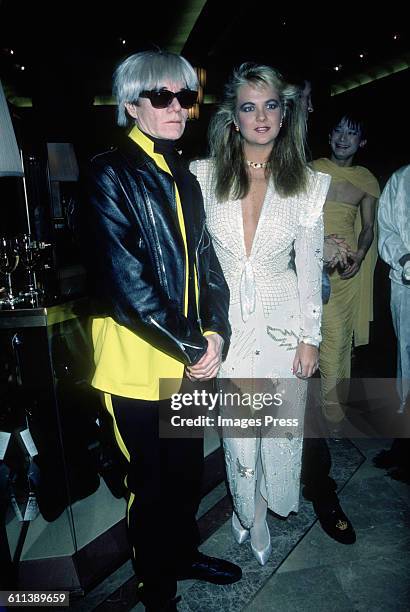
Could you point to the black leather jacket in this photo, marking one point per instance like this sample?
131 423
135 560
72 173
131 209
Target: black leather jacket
134 253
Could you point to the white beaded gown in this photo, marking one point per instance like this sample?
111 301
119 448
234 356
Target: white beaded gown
275 303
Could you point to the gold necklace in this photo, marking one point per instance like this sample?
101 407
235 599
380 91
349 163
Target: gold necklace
256 164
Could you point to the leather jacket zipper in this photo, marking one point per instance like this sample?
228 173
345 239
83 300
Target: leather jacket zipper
181 345
198 277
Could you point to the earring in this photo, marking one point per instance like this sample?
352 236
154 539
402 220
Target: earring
236 126
281 123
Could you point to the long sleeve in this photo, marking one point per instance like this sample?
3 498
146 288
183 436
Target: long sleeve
214 304
120 268
393 218
309 261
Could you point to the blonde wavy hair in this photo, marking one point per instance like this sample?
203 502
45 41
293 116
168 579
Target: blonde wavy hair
287 162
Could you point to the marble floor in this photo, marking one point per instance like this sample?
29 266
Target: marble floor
308 570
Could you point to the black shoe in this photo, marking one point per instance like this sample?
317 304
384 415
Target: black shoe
396 456
401 474
334 522
211 569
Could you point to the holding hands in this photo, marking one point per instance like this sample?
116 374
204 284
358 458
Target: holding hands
335 251
353 266
208 366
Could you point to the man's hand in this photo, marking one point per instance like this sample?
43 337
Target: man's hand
355 261
208 366
335 251
367 213
405 262
306 360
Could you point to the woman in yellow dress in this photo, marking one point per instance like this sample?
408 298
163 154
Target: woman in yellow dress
349 211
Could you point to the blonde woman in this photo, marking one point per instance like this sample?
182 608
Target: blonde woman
264 213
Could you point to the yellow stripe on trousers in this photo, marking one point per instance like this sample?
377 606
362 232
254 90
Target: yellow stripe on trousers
107 401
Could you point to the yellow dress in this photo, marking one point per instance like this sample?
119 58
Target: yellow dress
350 308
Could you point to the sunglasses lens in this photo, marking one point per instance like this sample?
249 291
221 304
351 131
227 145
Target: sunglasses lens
187 98
161 99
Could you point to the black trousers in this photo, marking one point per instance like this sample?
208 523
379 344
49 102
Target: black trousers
164 480
316 465
316 459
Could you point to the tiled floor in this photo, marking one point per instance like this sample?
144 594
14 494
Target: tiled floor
372 574
308 570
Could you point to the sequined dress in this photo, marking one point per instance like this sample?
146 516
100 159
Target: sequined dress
275 303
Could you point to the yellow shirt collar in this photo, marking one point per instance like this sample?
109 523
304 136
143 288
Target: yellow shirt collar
147 145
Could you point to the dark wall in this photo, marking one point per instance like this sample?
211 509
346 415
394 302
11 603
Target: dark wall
385 107
384 104
93 129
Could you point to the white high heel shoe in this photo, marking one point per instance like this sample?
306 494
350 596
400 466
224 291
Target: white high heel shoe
263 555
239 533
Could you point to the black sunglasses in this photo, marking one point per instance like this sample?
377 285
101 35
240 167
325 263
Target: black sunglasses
161 98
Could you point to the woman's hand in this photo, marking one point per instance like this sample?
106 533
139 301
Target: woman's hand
335 251
306 360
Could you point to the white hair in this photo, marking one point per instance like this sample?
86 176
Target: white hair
149 70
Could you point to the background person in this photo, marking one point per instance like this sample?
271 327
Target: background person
319 487
394 249
349 212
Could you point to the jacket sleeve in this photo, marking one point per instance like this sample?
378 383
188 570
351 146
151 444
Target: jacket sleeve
214 308
391 245
121 270
214 303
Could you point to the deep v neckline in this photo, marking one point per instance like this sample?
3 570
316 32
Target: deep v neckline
242 227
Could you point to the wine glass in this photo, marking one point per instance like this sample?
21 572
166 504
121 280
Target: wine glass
9 259
29 252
